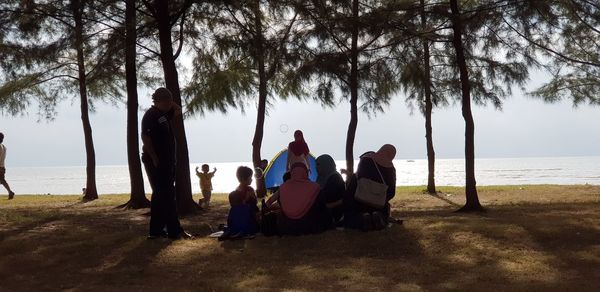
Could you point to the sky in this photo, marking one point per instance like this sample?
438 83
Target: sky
525 127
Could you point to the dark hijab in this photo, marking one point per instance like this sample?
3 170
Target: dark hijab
325 169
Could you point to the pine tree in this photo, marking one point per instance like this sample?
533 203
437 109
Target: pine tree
422 76
489 63
248 58
346 51
474 58
57 49
566 36
163 16
138 197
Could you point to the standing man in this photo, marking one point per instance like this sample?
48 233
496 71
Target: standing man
159 160
11 194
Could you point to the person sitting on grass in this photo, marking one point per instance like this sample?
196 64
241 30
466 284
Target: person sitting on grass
303 209
205 184
242 220
379 167
332 186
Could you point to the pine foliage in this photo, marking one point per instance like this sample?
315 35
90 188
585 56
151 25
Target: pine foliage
39 61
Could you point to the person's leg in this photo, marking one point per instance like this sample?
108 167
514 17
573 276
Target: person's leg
206 194
3 181
352 216
170 205
157 222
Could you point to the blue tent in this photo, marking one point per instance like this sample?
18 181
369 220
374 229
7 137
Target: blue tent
276 169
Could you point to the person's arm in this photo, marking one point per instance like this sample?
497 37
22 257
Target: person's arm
392 185
2 153
197 172
251 197
173 113
334 204
307 162
213 172
273 199
287 162
333 191
148 148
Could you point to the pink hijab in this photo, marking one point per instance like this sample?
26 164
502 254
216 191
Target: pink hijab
298 194
384 156
298 146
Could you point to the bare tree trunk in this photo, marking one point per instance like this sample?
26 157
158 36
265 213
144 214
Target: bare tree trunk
428 109
353 92
262 100
472 203
183 184
138 197
91 192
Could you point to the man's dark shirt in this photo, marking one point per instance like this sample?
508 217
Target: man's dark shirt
156 125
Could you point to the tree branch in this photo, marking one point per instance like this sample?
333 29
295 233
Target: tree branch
180 36
549 49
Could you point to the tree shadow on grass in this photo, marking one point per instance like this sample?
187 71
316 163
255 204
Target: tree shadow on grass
518 247
70 251
525 246
439 196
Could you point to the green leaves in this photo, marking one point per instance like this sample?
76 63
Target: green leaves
214 87
39 63
249 42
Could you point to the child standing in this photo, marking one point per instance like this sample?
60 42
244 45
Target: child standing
298 151
242 221
205 184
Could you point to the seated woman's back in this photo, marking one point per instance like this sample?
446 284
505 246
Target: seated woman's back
302 208
298 194
332 185
369 168
376 166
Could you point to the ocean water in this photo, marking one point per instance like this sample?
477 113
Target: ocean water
114 179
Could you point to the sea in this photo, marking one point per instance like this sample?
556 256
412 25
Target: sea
114 179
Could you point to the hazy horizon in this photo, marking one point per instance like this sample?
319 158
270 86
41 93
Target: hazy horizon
525 128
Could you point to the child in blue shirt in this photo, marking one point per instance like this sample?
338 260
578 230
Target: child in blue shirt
242 220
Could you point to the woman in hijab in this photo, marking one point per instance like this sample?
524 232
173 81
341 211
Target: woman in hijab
378 167
298 151
303 209
332 186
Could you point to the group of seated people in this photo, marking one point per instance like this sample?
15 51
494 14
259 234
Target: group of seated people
300 206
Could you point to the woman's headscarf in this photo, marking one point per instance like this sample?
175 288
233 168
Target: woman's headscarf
298 146
325 169
384 156
298 194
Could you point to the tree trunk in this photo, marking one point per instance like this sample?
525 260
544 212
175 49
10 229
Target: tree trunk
472 203
353 92
183 184
91 192
262 100
138 197
428 108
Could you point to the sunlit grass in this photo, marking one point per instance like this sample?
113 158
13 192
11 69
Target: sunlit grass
533 237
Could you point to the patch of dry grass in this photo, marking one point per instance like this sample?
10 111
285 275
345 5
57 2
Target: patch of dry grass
531 238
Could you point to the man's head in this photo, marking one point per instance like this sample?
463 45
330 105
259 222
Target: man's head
1 137
205 167
163 99
244 175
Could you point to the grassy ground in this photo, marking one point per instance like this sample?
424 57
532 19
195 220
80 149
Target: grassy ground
531 238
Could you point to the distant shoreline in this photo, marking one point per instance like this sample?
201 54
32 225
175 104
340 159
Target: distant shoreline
448 172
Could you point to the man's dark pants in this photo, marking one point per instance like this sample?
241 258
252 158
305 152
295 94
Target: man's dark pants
163 206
